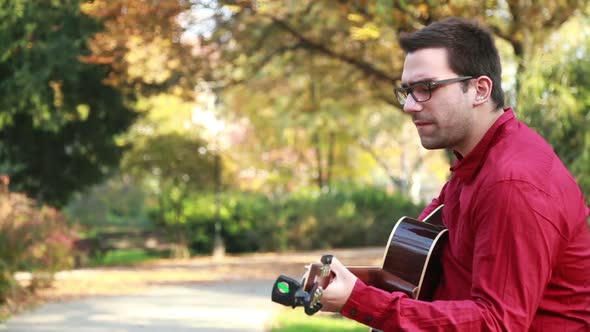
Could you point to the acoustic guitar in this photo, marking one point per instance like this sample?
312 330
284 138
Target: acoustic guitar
411 264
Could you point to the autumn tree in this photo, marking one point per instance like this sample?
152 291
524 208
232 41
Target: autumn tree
319 68
142 42
58 119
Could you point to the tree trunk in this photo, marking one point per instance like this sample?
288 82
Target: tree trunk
319 163
329 167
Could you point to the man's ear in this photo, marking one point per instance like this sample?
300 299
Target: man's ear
483 90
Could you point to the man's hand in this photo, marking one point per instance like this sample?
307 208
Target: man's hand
338 291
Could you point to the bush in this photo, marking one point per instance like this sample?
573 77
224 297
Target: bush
35 239
349 217
346 217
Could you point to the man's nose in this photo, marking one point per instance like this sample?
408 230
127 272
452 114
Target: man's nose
412 105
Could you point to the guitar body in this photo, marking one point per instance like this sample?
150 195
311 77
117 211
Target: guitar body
413 254
411 262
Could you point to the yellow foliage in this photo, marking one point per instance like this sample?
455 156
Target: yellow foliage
83 110
233 8
347 210
423 9
367 32
356 18
58 96
148 60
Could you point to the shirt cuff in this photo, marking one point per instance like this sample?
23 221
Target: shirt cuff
367 304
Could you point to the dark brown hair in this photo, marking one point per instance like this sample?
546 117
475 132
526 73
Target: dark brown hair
471 49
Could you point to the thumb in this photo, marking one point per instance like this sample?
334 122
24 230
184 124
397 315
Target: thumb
336 266
340 271
338 291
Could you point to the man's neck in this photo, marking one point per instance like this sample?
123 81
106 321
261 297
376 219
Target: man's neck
480 127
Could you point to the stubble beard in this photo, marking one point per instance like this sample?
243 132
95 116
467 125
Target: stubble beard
432 143
438 139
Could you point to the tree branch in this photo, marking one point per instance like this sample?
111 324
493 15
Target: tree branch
309 44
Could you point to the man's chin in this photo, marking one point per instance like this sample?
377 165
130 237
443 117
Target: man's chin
430 144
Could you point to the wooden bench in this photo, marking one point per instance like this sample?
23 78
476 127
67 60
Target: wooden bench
104 242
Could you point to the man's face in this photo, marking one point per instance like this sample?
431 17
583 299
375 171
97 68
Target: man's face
445 120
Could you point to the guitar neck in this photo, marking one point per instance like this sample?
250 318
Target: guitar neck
377 277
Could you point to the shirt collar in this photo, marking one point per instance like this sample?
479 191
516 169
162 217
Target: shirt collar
466 167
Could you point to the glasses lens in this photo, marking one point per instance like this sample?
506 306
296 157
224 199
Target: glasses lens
420 92
401 94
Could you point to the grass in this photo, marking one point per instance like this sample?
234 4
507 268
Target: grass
297 321
124 257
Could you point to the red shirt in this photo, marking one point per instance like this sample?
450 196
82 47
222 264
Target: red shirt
518 256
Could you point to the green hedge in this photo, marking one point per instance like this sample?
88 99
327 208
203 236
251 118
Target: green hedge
348 217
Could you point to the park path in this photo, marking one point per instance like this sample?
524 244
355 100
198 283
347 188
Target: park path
194 295
217 307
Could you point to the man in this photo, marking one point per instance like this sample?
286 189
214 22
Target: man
518 255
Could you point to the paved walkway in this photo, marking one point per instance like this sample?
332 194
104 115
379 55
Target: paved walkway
181 295
230 306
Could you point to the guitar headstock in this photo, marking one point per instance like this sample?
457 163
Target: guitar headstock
308 292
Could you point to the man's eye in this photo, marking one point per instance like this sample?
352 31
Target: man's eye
419 88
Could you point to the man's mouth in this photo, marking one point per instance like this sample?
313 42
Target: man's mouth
422 123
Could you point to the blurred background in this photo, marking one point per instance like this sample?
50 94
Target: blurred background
138 129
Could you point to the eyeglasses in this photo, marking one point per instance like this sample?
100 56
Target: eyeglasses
422 91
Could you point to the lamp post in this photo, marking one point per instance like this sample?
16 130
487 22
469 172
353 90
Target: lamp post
204 115
218 243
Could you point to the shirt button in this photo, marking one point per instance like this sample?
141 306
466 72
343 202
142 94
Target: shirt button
352 312
368 319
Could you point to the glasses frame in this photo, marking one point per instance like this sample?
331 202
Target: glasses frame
409 90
